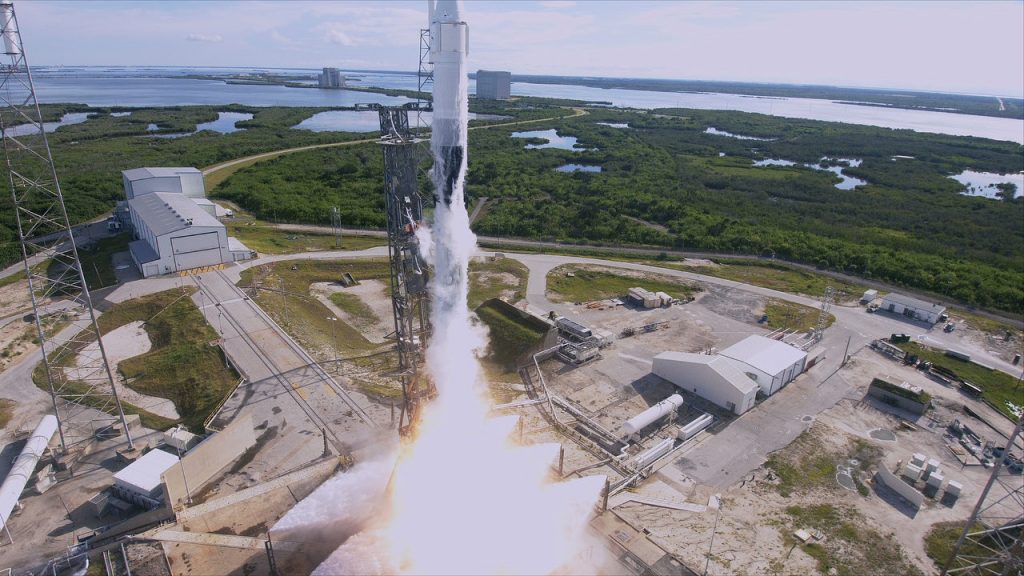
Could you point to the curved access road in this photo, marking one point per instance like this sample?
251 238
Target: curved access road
225 169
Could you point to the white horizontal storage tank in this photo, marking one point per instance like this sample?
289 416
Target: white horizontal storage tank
24 465
691 429
652 414
651 456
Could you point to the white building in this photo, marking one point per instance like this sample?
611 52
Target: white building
493 85
769 363
175 234
912 308
175 224
140 483
141 181
709 376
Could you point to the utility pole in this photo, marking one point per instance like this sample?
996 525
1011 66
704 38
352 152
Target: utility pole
79 377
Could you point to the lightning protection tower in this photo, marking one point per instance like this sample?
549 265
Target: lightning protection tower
76 368
992 542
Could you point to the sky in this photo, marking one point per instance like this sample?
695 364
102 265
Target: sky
969 47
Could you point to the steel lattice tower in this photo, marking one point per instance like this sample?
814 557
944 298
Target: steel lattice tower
992 542
826 305
76 366
408 271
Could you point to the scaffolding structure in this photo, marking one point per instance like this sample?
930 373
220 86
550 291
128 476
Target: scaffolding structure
992 542
76 368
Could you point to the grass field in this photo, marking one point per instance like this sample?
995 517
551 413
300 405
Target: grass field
288 302
850 547
354 306
782 314
487 279
182 365
266 239
6 411
96 260
586 284
997 387
774 275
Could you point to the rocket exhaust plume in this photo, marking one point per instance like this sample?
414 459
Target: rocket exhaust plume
462 498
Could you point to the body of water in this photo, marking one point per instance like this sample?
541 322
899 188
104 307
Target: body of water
65 120
620 125
225 124
846 182
145 91
140 87
984 183
553 140
365 120
577 168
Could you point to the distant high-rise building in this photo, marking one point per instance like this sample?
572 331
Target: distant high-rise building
493 85
331 78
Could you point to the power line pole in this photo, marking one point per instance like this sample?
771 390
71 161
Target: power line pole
79 377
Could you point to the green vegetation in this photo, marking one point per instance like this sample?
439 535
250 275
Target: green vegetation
269 240
997 387
663 184
585 284
775 275
941 539
798 475
782 314
284 295
354 307
511 335
985 324
16 277
849 548
493 277
181 366
6 412
909 226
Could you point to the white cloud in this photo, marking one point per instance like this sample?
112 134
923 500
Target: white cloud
204 38
340 38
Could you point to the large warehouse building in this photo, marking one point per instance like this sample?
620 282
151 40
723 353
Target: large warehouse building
174 223
770 363
493 85
912 308
709 376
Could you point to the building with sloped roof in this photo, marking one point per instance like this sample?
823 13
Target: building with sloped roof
769 363
181 180
709 376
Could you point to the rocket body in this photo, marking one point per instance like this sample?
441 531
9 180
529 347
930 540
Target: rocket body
449 46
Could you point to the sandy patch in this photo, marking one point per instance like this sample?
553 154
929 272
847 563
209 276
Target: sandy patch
121 344
370 292
15 299
488 278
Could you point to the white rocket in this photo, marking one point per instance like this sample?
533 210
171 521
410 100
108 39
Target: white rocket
449 45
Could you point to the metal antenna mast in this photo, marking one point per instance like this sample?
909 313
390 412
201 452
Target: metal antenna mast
992 542
76 367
